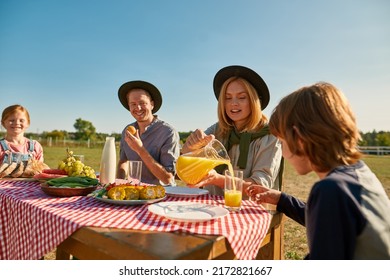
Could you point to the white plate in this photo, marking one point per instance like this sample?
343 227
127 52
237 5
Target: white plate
130 202
184 211
184 191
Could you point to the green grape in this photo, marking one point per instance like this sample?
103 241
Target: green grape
61 165
78 166
75 167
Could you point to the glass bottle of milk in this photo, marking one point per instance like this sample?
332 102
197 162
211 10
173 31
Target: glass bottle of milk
108 162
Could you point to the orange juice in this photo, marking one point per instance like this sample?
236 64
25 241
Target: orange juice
233 189
191 170
233 198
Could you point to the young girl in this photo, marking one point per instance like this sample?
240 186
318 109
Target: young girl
15 149
243 129
347 211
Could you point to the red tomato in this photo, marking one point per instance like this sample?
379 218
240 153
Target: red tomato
54 171
47 176
110 186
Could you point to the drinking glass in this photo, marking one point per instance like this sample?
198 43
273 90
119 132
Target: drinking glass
233 189
135 171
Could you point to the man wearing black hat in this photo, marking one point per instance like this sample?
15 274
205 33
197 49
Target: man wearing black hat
155 142
243 129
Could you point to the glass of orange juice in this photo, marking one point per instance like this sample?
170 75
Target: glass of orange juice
233 189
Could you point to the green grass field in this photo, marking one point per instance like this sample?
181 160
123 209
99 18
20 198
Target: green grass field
295 243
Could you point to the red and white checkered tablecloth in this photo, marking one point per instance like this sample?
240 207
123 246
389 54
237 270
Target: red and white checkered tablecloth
33 223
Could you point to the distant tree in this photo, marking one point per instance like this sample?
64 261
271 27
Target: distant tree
183 136
383 138
84 130
56 134
374 138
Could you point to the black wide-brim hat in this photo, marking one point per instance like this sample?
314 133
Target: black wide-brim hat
151 89
248 74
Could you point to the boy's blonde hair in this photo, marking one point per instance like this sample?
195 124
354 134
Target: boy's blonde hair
257 119
11 110
317 121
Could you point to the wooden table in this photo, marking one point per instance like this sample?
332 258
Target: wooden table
93 243
272 247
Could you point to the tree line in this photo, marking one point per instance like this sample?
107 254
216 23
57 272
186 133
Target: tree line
375 138
86 131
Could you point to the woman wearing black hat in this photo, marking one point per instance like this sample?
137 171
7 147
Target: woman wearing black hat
155 142
242 128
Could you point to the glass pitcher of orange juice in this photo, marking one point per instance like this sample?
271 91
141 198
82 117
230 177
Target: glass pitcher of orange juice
192 167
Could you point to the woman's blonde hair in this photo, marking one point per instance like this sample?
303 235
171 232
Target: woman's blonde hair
320 118
11 110
256 120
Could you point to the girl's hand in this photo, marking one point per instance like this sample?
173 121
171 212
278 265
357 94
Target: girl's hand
261 194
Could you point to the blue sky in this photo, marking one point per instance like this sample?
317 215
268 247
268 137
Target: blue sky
66 59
